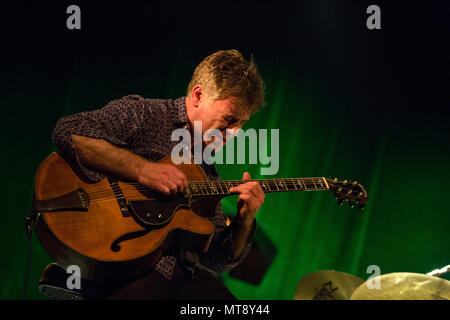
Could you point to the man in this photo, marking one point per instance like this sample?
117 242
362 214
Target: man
128 136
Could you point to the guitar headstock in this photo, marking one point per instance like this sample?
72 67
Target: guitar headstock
350 191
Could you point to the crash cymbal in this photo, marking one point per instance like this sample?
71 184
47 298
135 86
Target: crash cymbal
403 286
327 285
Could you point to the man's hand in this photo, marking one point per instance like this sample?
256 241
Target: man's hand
103 156
251 197
165 178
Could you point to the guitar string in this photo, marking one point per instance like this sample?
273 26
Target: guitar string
223 183
131 197
275 180
214 188
218 186
110 194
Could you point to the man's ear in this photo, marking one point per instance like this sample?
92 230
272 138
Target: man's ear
196 95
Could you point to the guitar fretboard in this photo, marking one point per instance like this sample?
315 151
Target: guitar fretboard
222 187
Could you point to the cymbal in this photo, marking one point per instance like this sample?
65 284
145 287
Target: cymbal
404 286
327 285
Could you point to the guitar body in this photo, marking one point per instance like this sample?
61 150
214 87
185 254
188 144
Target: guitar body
84 224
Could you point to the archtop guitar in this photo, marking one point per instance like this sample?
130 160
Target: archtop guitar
116 229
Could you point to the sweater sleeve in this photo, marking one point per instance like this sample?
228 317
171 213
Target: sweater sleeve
115 123
219 256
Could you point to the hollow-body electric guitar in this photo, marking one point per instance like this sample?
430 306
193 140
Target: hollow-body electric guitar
116 229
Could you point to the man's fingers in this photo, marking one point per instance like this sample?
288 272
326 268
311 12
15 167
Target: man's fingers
179 179
179 183
172 186
185 181
260 190
244 197
251 202
237 189
251 187
256 190
181 176
240 188
165 178
164 189
180 188
246 176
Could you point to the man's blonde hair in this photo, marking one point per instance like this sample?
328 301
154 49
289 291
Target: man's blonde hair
225 74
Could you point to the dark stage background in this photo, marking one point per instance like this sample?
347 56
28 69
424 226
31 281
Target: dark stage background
352 103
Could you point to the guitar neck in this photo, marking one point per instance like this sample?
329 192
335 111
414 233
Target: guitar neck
222 187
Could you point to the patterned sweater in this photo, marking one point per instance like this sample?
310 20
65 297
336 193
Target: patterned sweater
144 126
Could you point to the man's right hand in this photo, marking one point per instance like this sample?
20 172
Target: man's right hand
165 178
104 157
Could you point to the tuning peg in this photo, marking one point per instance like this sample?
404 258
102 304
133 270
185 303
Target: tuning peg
355 183
340 202
361 206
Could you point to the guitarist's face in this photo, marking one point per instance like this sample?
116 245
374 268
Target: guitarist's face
222 115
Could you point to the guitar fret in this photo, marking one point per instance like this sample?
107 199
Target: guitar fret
219 185
309 184
213 188
320 182
276 185
193 187
304 185
286 183
294 186
201 189
264 185
222 187
210 188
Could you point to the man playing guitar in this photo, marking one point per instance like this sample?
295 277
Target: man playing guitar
127 138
